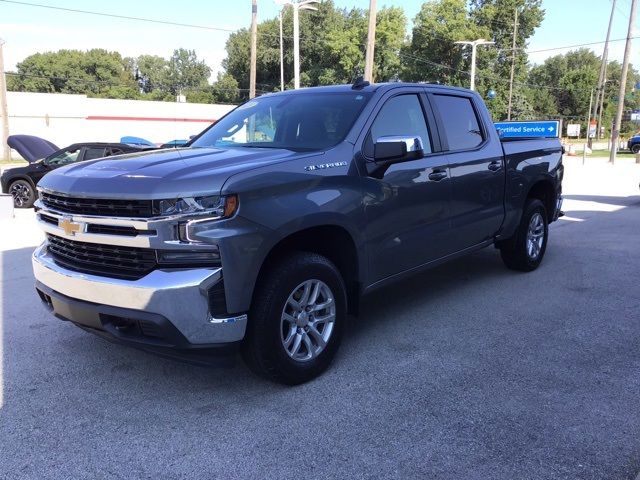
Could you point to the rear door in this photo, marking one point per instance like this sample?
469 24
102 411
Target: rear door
407 209
476 169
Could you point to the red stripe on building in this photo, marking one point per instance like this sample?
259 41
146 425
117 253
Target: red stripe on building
151 119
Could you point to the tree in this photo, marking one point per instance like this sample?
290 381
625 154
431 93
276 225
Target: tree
186 72
391 26
494 64
225 89
432 54
152 73
332 47
96 72
561 86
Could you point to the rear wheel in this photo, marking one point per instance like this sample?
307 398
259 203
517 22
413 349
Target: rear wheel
636 148
296 319
24 195
524 252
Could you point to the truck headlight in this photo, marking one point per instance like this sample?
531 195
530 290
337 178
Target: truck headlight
199 213
215 206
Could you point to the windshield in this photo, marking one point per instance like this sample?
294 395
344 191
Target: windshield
305 121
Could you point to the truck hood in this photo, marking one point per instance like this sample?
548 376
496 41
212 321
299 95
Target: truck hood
158 174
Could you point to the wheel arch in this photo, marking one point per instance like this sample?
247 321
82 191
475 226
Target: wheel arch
12 180
544 190
332 241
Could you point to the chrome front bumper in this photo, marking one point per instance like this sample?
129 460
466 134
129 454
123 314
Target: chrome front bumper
180 296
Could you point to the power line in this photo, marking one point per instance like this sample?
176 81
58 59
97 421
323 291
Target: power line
123 17
211 28
578 45
484 75
128 17
227 30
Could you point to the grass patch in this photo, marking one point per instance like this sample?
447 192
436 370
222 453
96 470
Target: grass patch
7 161
605 153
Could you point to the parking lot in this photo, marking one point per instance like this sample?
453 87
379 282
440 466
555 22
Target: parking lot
467 371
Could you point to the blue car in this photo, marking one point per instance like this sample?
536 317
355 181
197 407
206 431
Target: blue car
634 143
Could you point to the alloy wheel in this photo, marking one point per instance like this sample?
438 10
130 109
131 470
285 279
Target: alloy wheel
535 236
21 194
307 320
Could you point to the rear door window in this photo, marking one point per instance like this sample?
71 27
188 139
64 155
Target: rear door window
91 153
113 151
461 124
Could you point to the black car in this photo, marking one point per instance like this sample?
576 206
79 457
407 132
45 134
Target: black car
43 156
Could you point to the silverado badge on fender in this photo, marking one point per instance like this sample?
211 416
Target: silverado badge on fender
322 166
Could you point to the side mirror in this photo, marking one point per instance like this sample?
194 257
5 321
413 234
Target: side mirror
399 148
394 149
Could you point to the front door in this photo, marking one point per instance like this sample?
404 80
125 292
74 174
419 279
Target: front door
407 210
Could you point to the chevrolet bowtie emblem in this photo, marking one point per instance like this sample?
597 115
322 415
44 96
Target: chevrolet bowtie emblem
69 226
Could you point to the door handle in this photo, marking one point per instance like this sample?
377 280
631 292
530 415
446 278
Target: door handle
495 165
436 175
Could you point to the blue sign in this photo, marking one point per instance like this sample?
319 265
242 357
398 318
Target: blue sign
548 129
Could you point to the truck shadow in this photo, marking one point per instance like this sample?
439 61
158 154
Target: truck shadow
53 357
609 200
400 298
46 352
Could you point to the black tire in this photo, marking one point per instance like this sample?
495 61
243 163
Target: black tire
263 348
515 251
635 148
24 195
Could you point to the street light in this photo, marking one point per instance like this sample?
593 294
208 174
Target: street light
296 6
474 44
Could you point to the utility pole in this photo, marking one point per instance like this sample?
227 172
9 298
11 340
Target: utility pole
513 62
601 78
371 41
254 47
281 54
4 113
297 6
601 107
623 84
584 151
474 45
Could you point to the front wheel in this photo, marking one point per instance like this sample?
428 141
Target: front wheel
636 148
23 193
524 252
296 319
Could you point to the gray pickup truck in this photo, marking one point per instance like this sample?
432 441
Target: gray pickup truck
265 232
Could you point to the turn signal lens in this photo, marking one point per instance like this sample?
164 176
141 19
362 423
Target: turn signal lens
230 205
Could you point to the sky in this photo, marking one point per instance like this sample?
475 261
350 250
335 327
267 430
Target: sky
27 29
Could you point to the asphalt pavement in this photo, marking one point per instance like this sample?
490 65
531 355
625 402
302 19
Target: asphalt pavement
468 371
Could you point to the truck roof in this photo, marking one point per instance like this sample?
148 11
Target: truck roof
365 88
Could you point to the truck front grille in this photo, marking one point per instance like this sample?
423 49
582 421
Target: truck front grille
107 260
100 207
